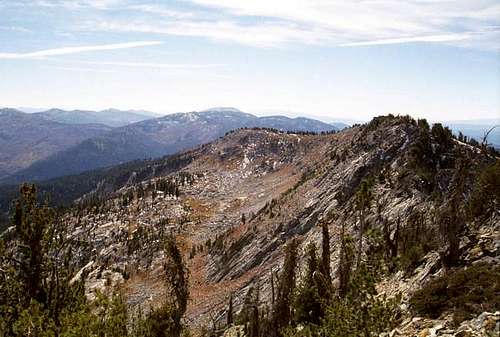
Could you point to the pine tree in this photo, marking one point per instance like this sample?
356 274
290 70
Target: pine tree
250 312
35 270
363 200
230 311
177 276
308 306
460 136
32 225
282 309
165 321
273 296
485 198
254 327
324 278
452 217
344 263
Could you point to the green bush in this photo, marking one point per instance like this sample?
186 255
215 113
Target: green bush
485 197
361 313
465 293
415 240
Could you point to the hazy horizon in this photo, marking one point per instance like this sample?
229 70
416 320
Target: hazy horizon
263 113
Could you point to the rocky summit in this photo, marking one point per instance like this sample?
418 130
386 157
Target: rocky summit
391 228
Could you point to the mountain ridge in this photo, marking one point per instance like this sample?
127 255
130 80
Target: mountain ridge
155 138
109 117
27 138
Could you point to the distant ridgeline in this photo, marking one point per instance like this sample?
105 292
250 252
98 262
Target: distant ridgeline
478 130
68 146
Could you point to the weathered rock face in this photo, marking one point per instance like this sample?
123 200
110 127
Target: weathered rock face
485 324
252 190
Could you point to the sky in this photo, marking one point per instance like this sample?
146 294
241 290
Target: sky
344 59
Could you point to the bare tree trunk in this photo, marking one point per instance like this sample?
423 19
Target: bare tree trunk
360 236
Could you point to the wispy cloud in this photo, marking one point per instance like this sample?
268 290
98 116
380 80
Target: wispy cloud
347 22
162 11
18 29
75 50
430 38
276 23
72 4
149 65
82 70
261 35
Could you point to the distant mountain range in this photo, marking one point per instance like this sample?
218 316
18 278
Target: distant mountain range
109 117
26 139
144 139
477 129
48 144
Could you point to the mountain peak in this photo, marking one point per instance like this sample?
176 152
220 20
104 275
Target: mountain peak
222 109
10 112
111 110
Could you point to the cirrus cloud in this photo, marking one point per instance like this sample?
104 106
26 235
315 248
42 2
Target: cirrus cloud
264 23
351 23
79 49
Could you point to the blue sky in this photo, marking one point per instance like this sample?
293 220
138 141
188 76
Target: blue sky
349 59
